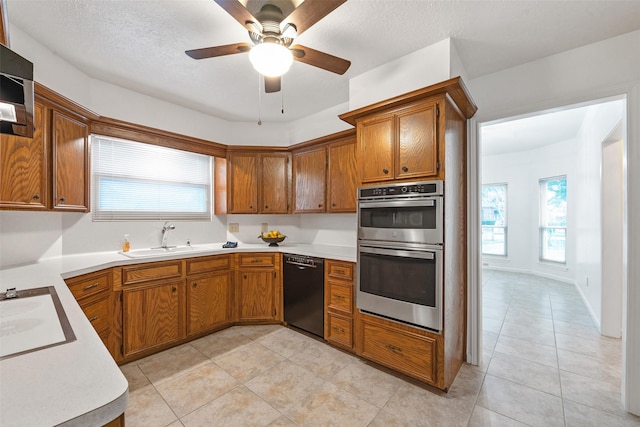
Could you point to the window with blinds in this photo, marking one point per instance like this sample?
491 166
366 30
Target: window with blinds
137 181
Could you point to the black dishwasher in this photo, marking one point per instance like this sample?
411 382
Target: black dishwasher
304 293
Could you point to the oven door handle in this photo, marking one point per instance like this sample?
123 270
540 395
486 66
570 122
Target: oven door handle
423 254
364 204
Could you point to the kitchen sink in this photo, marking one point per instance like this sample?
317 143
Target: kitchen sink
141 253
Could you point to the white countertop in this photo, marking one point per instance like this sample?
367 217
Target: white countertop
79 383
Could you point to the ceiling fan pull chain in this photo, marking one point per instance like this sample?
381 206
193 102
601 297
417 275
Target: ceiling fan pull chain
282 94
259 101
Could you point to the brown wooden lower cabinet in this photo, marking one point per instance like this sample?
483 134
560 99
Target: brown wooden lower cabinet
153 315
406 351
339 303
93 293
208 301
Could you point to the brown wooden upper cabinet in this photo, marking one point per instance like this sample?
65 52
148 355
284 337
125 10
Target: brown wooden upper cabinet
405 138
324 172
71 163
50 170
258 182
23 168
402 144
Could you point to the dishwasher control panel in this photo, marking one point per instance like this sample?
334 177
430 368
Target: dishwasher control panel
302 260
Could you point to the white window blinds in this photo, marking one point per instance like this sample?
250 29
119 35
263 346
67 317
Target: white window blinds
138 181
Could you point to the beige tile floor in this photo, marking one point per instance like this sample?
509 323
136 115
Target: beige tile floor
544 365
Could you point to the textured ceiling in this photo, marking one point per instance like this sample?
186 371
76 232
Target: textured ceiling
140 45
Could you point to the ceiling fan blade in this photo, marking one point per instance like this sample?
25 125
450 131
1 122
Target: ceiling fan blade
320 59
240 14
309 12
210 52
272 84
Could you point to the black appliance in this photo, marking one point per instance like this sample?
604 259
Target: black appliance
304 292
16 94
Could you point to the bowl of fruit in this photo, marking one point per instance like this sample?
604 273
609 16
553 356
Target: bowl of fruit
272 237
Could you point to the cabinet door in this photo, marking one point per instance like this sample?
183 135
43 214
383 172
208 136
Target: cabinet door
23 168
256 295
417 142
376 149
152 316
342 177
275 183
309 170
208 303
243 180
70 163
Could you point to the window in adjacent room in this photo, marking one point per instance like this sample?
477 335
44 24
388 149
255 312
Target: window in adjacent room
553 219
494 219
137 181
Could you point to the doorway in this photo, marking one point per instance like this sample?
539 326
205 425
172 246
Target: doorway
590 153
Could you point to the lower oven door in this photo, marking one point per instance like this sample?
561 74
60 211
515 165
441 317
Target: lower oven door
401 282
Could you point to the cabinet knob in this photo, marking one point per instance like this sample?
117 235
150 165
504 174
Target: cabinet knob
385 170
173 289
320 205
63 199
266 206
405 169
333 204
244 277
194 284
36 197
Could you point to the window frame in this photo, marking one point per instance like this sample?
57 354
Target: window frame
205 187
504 227
543 227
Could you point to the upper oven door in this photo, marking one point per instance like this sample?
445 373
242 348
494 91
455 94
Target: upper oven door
406 220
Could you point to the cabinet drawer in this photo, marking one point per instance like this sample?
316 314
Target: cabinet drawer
152 271
403 351
98 314
88 285
257 260
339 330
340 297
205 264
340 270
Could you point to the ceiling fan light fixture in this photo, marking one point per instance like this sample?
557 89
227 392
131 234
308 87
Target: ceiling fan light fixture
271 59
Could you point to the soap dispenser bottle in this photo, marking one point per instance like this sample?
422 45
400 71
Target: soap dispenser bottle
125 244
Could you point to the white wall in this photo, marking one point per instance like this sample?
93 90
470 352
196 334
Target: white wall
599 123
424 67
521 171
600 70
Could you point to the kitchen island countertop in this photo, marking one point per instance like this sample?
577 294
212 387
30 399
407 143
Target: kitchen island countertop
79 383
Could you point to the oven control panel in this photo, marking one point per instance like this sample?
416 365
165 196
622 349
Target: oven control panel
410 189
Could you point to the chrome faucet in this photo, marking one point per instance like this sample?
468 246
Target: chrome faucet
165 234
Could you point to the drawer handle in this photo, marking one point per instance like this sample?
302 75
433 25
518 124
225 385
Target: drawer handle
393 348
337 329
340 297
93 318
91 286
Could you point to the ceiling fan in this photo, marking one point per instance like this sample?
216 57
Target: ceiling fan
271 29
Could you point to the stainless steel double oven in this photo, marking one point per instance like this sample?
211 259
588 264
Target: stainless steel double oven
400 244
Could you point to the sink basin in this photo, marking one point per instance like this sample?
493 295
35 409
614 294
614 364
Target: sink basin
140 253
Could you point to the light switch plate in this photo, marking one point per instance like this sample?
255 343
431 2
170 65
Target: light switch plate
234 227
264 227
